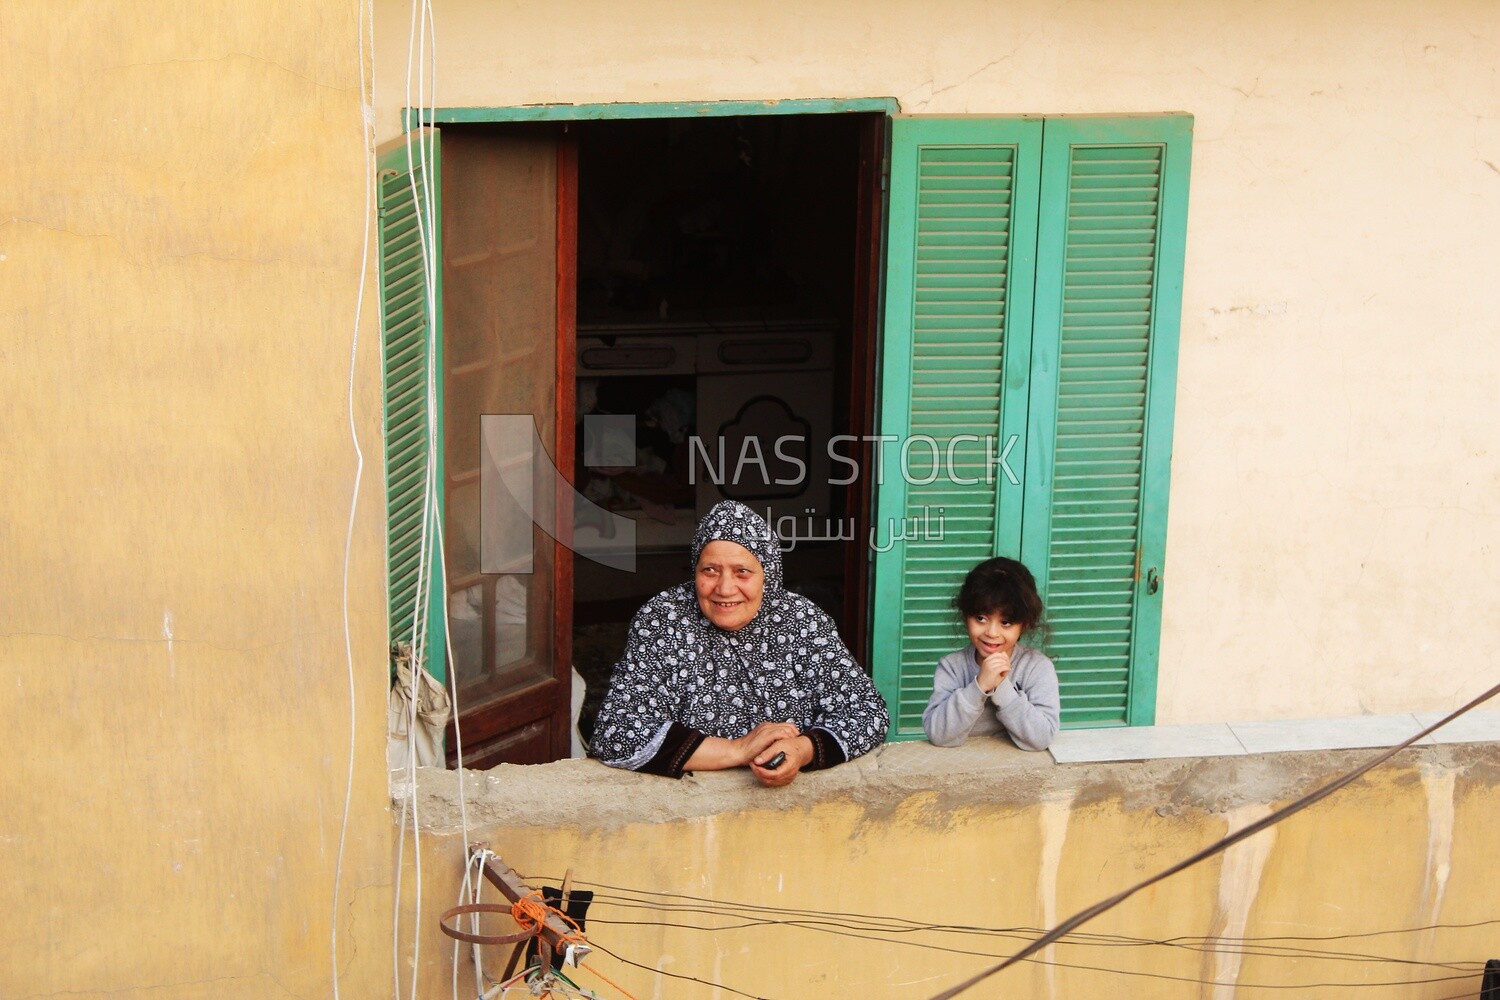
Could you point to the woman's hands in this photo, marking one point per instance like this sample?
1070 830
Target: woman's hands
992 670
753 750
757 743
799 753
718 754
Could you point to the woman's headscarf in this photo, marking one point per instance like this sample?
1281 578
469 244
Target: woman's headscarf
732 521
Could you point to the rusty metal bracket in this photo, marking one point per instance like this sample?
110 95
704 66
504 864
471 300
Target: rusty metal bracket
471 908
555 932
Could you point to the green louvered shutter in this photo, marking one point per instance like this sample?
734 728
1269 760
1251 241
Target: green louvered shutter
1108 301
411 340
954 358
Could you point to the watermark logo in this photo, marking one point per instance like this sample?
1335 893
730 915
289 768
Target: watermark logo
923 459
521 489
926 525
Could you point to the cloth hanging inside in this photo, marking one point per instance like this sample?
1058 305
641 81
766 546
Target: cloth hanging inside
424 741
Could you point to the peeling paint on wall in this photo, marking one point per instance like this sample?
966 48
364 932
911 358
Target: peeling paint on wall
1438 784
1239 884
1053 815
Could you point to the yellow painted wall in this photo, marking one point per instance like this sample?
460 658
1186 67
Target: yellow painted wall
181 214
1017 848
1335 481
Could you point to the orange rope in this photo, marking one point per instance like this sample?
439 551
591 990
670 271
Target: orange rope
531 910
608 980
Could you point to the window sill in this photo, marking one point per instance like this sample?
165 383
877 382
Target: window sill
1240 739
986 771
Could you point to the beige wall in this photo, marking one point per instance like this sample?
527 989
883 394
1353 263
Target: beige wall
180 223
1335 487
179 255
988 836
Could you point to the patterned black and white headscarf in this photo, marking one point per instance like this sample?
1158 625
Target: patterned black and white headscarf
731 521
682 678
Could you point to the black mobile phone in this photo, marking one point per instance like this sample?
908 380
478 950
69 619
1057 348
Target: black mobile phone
775 761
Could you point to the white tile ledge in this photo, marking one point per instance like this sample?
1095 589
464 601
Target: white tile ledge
1236 739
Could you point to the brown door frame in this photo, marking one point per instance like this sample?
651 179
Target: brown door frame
869 272
566 396
547 702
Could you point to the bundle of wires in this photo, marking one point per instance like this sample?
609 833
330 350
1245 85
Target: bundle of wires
616 905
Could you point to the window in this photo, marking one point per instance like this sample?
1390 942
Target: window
733 241
1029 363
1033 285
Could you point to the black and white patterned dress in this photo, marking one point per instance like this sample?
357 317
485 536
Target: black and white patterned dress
682 678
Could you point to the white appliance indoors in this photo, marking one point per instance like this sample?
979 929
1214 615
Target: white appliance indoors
765 413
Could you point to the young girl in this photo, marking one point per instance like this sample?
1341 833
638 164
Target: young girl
995 683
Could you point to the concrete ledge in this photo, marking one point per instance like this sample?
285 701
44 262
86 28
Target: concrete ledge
1237 739
990 773
705 877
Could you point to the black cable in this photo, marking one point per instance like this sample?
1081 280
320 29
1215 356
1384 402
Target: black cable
1251 952
1358 934
1317 795
1256 947
675 975
1251 986
735 908
811 922
1209 947
1075 965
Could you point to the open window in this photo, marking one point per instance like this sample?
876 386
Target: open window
711 280
725 305
717 281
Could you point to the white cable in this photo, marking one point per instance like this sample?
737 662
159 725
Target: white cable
396 929
366 27
421 50
466 897
428 236
408 801
470 893
441 543
463 813
426 232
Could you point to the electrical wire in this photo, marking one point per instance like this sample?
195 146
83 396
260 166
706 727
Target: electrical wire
532 980
675 975
1368 934
470 892
365 29
927 946
421 68
1109 970
888 937
756 914
422 200
1317 795
595 972
427 55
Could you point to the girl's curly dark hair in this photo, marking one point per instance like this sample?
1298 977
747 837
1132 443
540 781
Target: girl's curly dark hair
1005 586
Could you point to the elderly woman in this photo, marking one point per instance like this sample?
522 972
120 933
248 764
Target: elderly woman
734 671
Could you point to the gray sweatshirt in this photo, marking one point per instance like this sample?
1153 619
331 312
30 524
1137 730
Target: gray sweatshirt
1025 704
